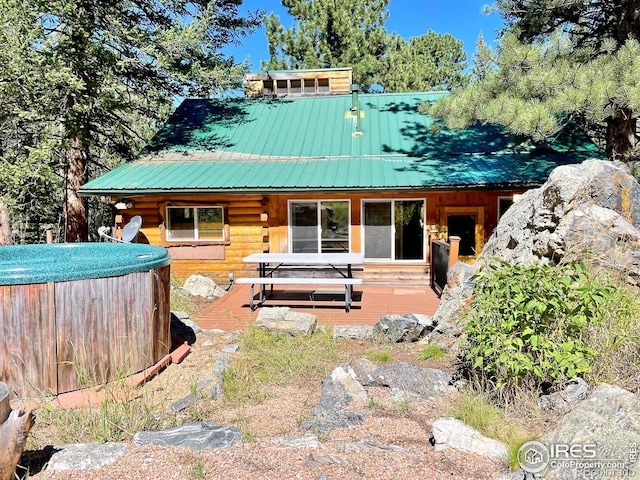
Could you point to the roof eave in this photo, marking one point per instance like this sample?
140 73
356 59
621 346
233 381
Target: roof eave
280 190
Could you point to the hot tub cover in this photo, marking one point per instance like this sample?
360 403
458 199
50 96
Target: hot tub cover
63 262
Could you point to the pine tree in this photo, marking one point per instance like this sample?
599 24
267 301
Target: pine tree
559 63
428 62
483 61
328 34
89 75
340 33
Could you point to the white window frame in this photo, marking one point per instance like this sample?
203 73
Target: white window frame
196 233
319 220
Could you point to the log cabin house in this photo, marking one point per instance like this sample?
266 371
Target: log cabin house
303 164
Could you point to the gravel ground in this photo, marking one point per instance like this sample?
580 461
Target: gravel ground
261 456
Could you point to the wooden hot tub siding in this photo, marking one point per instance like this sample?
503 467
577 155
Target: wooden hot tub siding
62 336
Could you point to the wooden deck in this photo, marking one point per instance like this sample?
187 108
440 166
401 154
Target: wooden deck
370 302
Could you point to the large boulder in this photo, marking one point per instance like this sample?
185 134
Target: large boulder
339 390
199 285
593 207
409 382
284 320
454 300
402 328
604 429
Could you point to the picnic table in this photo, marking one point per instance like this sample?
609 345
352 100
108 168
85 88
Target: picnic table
339 265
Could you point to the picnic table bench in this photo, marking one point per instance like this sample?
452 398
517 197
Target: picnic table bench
336 261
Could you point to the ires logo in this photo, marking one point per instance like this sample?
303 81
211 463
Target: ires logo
534 457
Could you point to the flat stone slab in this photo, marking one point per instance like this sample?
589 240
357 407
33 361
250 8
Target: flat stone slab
86 456
197 436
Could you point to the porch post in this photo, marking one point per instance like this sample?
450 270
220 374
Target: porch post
454 250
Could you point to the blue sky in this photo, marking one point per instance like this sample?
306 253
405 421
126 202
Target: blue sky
409 18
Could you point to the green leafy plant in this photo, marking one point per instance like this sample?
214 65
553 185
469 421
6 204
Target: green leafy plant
526 323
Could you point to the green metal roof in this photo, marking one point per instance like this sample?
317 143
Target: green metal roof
309 144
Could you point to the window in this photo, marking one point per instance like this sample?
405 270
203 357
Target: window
503 204
296 87
195 223
267 88
319 226
283 87
309 86
323 85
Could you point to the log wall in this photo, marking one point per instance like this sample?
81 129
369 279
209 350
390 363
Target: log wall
259 223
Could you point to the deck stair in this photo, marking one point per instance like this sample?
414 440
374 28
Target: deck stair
395 274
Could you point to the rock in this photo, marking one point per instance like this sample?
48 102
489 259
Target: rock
364 370
197 436
306 441
231 348
399 328
562 402
410 382
315 460
592 207
282 319
220 363
199 285
86 456
187 401
455 298
339 389
609 421
353 332
453 433
350 446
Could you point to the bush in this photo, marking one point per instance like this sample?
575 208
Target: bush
526 323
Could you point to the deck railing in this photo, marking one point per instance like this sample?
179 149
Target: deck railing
442 256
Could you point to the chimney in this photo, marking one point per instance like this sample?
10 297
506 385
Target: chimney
355 109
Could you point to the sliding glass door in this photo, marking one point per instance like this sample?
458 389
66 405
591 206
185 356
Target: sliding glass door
319 226
393 229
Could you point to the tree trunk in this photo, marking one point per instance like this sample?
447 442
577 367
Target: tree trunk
14 430
5 225
621 135
77 229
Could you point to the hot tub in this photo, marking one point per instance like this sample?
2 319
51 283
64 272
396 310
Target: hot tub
75 315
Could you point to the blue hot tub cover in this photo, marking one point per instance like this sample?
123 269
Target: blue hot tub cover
63 262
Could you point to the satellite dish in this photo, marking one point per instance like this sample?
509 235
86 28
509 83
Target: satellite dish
103 232
131 229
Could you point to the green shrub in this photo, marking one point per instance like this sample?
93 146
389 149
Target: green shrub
526 323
